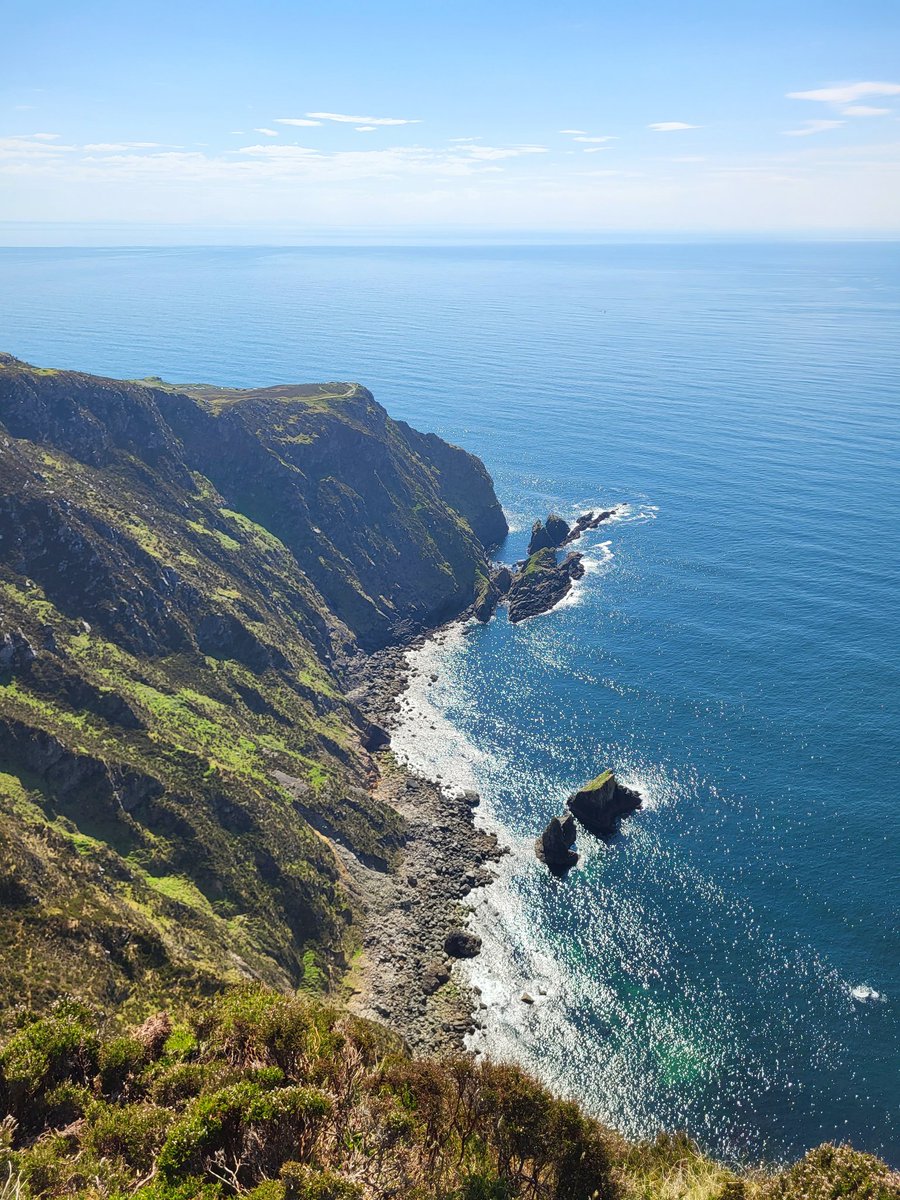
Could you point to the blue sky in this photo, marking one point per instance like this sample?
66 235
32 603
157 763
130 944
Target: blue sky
284 119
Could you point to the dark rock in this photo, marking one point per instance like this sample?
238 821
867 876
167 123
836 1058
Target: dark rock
486 599
542 583
374 738
16 652
459 943
600 804
502 580
587 521
554 846
551 535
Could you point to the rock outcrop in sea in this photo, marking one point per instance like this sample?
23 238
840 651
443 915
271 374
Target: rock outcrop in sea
541 583
554 847
600 804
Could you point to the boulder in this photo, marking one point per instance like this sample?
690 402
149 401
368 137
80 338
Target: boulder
554 847
459 943
601 803
373 738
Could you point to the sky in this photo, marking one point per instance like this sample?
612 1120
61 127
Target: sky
281 121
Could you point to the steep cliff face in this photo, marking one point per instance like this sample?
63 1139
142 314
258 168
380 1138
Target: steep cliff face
181 573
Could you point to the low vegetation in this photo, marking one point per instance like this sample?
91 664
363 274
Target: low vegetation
278 1098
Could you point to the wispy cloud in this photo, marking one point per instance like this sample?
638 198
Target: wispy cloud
295 121
111 147
847 93
811 127
864 110
267 132
346 120
670 126
42 137
608 138
366 128
485 153
595 149
573 131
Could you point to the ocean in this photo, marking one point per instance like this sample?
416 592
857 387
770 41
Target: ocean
729 965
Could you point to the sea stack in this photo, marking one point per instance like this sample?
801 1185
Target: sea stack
601 803
554 847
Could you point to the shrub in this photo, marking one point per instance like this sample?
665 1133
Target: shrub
833 1172
120 1060
58 1049
248 1130
302 1182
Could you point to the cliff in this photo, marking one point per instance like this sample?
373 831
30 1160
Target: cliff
184 574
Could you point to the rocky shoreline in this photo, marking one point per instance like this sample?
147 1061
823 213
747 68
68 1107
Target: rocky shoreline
415 912
416 915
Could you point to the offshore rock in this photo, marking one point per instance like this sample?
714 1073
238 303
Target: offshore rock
554 847
589 520
542 583
601 803
551 535
502 580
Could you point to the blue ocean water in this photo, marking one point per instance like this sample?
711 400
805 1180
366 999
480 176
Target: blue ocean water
734 650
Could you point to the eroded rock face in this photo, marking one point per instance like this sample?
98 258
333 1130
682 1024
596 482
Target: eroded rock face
542 583
554 847
600 804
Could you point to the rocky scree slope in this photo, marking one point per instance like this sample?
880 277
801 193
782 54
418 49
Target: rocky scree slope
184 574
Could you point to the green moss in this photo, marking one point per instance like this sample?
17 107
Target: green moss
224 540
599 782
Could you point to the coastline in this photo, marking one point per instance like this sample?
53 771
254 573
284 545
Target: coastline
403 976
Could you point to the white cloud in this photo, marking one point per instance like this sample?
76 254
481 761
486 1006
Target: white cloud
267 132
670 126
295 121
811 127
107 147
483 153
596 149
847 93
42 137
345 120
608 138
573 131
864 110
466 139
366 128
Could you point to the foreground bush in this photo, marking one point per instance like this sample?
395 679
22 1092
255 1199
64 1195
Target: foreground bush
287 1099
